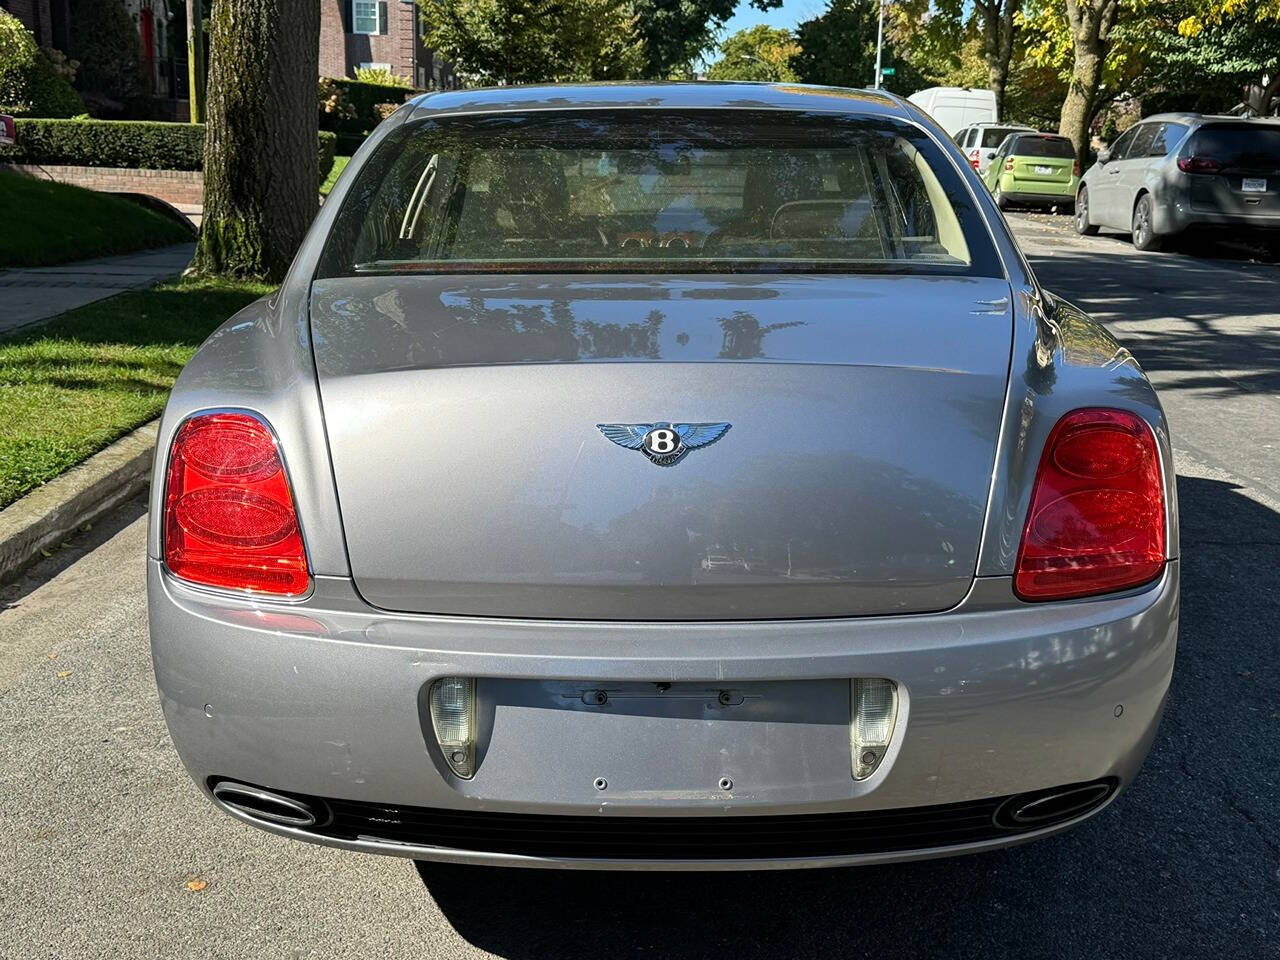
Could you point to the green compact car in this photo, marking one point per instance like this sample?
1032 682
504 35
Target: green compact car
1038 169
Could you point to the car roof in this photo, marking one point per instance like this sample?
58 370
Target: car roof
660 96
1203 118
998 123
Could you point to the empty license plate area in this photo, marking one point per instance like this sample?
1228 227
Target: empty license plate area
656 744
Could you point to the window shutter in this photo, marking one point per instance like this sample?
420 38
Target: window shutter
348 16
382 16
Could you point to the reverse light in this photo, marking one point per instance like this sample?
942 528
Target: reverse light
875 711
229 516
1097 516
453 718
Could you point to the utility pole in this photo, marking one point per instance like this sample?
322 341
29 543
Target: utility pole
195 60
879 46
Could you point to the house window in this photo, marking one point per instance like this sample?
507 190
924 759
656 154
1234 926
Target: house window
364 16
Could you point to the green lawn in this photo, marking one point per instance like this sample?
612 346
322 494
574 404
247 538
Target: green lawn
47 223
90 376
339 164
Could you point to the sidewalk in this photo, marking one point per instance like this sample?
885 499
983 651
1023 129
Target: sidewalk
29 295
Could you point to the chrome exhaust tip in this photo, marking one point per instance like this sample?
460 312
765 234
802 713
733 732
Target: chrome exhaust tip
267 806
1044 808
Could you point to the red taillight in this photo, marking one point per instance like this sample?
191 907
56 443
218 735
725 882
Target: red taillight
1075 168
1008 165
975 159
1097 517
1198 165
229 518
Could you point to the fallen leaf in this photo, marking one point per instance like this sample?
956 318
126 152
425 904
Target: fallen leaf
54 655
45 552
63 674
195 886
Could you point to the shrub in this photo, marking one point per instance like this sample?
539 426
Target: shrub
105 40
141 144
351 108
382 77
31 84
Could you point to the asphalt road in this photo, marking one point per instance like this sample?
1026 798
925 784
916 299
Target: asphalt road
101 832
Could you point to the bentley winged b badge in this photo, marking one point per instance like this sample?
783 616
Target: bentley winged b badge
663 443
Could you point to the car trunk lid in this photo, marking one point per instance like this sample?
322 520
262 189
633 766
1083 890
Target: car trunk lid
473 477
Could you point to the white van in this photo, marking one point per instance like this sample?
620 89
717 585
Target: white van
954 108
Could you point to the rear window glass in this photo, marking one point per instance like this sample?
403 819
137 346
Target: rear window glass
1242 147
1043 147
994 136
657 192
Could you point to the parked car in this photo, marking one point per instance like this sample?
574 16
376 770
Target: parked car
1177 172
427 528
979 140
1034 169
954 108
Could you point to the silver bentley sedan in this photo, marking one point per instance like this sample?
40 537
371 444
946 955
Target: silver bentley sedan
662 477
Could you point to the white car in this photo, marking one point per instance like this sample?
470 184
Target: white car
980 140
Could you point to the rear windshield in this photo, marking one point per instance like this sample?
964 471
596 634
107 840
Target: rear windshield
1243 146
994 136
1043 147
658 193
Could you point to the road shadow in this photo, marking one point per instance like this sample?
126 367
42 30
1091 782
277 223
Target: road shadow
1181 317
1186 863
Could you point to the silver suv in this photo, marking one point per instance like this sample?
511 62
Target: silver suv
1176 171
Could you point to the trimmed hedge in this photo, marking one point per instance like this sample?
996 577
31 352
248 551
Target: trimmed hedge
354 112
136 144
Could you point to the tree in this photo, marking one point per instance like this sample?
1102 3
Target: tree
998 24
757 53
937 34
1235 38
106 42
838 47
1090 23
677 32
260 162
31 82
536 41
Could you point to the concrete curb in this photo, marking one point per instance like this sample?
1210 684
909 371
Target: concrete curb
49 514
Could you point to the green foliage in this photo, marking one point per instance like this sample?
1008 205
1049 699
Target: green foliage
382 77
757 53
536 41
839 48
677 32
335 171
75 224
31 82
141 144
352 107
105 40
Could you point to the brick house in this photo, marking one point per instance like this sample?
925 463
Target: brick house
379 33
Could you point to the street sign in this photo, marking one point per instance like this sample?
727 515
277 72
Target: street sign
887 71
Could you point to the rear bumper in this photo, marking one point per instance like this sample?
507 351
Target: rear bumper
325 699
1019 193
1180 216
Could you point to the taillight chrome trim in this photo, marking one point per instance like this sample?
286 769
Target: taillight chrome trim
162 474
1167 497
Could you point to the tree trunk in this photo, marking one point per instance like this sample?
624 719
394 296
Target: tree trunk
261 139
998 29
1091 22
